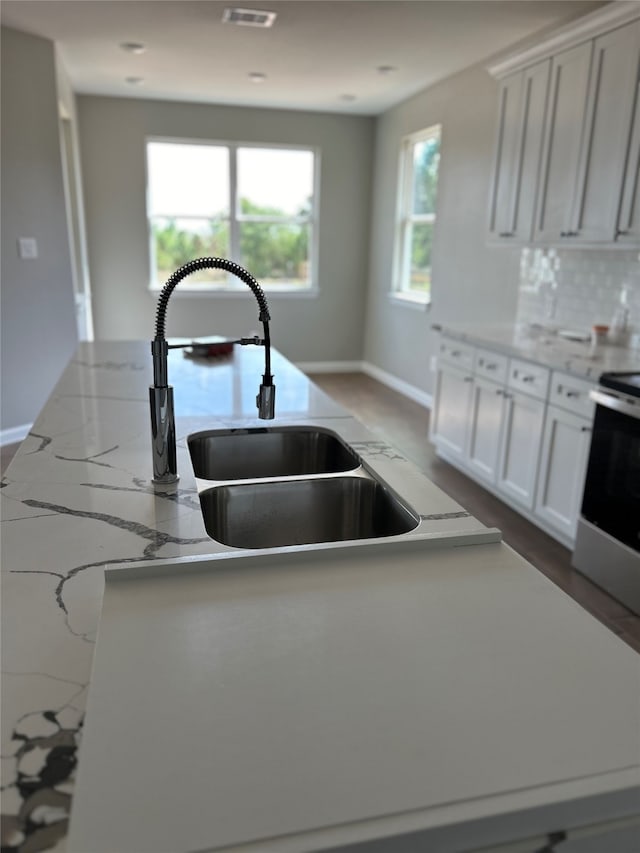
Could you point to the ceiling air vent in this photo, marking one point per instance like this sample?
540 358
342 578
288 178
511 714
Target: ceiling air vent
248 17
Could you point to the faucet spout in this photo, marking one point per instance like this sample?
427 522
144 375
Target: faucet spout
163 434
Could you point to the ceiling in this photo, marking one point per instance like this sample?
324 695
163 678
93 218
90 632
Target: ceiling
323 56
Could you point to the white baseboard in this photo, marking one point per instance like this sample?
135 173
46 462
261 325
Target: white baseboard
416 394
399 385
14 434
330 366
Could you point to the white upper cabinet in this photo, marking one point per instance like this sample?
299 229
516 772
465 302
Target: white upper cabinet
592 101
581 143
628 230
523 97
566 111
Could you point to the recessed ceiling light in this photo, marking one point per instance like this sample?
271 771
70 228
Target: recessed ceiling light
248 17
257 76
132 47
386 69
134 81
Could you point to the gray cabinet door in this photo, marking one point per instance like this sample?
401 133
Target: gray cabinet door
563 464
628 230
450 421
523 97
520 448
567 109
611 101
485 428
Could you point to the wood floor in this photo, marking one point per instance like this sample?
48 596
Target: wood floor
405 424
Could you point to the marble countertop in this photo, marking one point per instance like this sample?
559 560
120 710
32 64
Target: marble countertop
77 499
548 348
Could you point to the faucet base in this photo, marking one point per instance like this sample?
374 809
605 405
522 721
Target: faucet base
165 481
163 435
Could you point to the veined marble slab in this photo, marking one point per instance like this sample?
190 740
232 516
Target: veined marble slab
312 699
78 498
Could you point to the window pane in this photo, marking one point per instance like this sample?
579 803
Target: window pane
276 253
177 241
274 181
420 263
187 180
426 158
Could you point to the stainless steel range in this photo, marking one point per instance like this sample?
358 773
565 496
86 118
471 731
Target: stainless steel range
607 547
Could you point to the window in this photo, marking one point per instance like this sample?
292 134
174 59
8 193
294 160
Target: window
255 205
420 159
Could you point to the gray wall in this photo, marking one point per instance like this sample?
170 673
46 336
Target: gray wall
472 283
112 135
38 330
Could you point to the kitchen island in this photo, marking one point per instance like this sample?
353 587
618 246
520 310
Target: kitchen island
519 715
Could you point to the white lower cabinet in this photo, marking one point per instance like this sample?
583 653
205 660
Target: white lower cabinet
518 428
520 445
563 462
485 428
450 415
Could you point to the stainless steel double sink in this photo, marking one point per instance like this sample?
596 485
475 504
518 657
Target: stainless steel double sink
269 487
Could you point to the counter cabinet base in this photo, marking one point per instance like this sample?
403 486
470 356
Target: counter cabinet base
564 540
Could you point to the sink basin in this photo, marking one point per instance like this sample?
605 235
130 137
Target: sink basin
243 454
300 512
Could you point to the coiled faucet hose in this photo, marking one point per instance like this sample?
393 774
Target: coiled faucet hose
209 263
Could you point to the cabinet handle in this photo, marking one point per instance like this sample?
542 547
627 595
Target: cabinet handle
492 366
506 234
622 232
585 429
572 394
455 353
569 233
500 392
528 378
468 378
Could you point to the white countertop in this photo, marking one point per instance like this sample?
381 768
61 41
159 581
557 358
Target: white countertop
548 348
77 498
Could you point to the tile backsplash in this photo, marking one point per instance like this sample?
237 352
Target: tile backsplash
576 288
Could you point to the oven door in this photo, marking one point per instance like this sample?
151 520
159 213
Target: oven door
611 500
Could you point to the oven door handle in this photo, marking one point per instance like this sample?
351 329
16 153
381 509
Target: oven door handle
612 401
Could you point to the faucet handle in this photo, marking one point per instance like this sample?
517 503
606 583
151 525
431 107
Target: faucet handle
266 399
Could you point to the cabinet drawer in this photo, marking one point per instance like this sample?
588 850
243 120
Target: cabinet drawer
456 352
491 365
571 394
529 378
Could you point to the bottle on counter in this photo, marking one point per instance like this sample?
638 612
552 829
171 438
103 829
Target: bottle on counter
618 333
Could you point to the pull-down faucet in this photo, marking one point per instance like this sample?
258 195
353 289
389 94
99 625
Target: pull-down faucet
163 433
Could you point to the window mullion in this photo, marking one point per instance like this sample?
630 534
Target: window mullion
234 227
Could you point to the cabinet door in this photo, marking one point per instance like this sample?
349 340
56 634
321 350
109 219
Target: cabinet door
563 463
520 447
612 90
523 97
566 116
450 415
485 428
628 230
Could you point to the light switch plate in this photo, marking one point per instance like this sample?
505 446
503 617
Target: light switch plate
27 248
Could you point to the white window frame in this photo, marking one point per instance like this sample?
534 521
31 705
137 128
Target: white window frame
406 218
233 286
